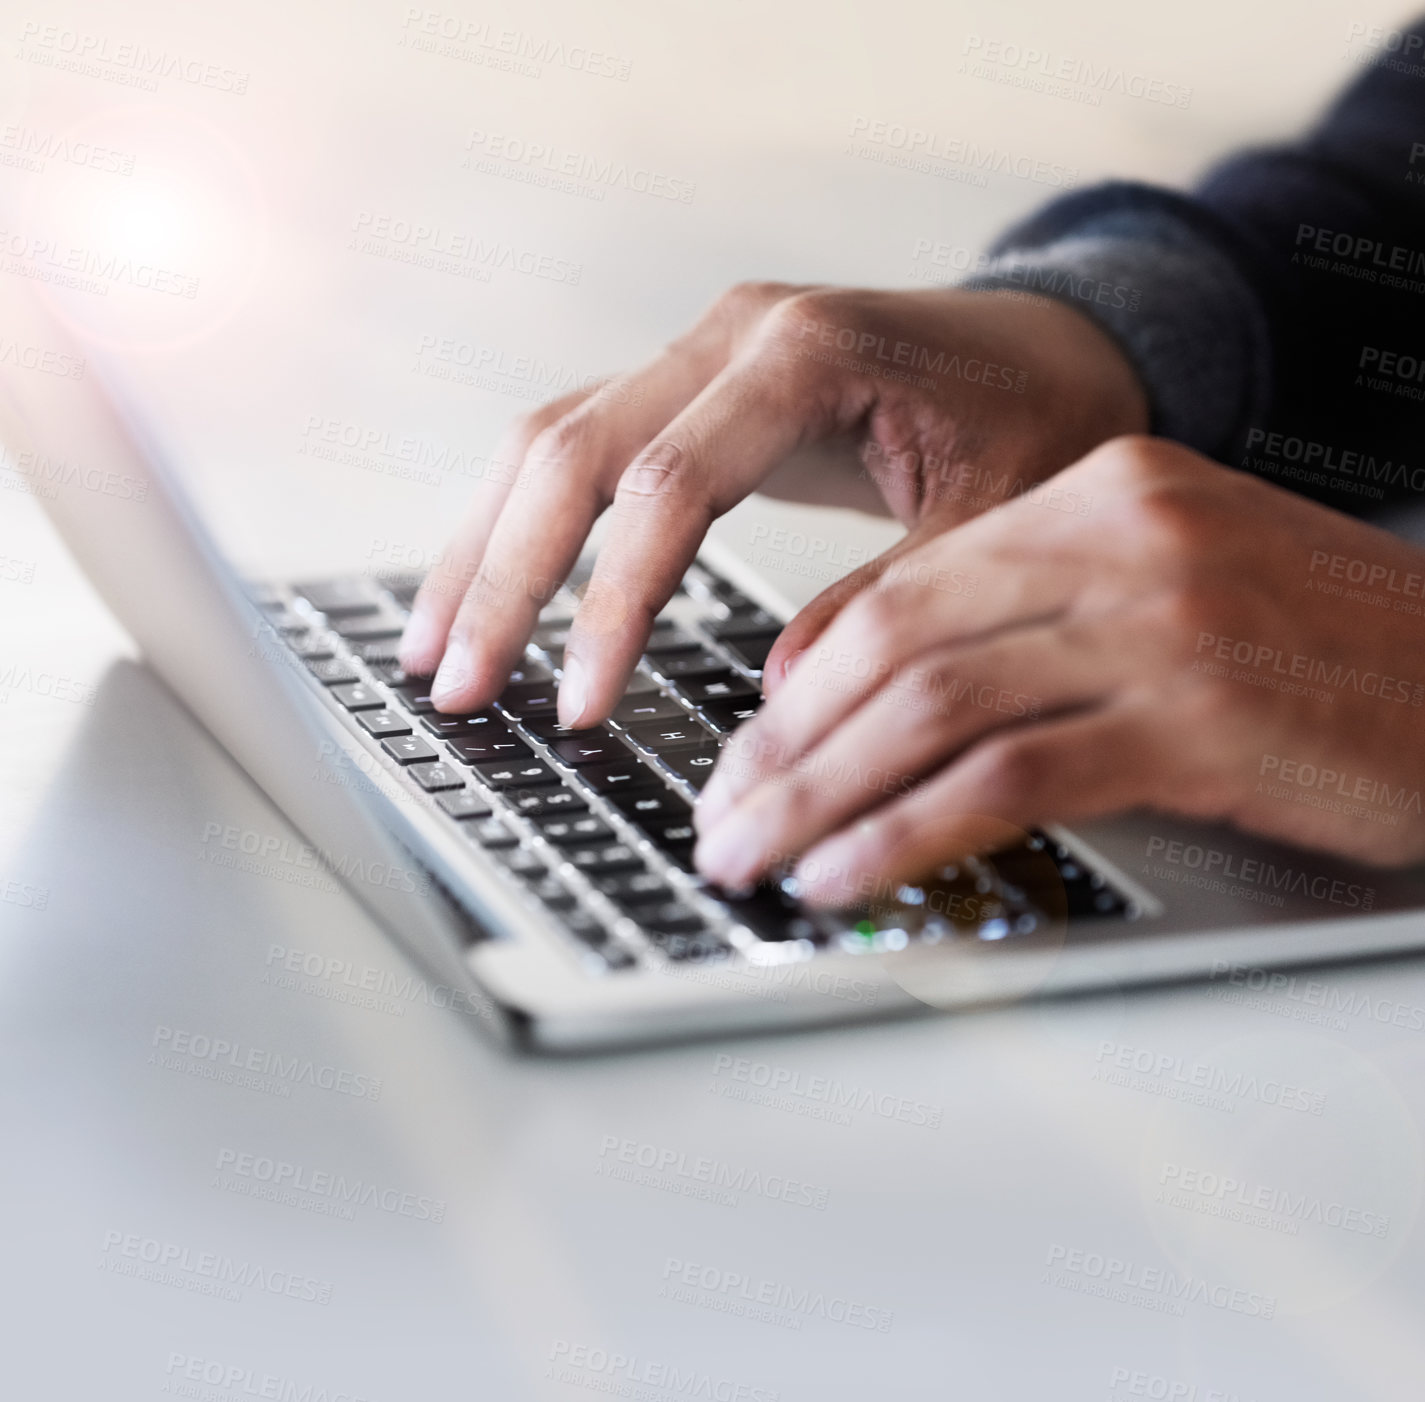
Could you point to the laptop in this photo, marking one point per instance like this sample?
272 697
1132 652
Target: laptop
547 873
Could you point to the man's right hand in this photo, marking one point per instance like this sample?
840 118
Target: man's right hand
954 401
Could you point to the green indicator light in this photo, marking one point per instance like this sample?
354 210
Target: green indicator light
865 927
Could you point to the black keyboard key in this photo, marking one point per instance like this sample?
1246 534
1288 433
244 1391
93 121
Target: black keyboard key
605 859
588 747
526 774
435 777
410 749
310 647
332 671
586 929
523 861
688 664
383 723
668 638
574 830
465 804
557 896
656 736
491 832
670 918
551 637
653 807
472 723
370 628
680 855
382 651
745 623
628 890
545 803
622 777
339 598
530 669
547 727
724 685
528 699
357 696
395 675
415 696
633 710
497 745
694 763
770 914
725 716
751 651
403 587
668 836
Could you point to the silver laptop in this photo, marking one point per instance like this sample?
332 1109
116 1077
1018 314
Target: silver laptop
547 873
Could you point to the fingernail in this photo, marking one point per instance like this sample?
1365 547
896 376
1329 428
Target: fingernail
573 691
420 644
454 674
790 662
730 854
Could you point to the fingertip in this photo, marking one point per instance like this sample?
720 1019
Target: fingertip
573 692
419 650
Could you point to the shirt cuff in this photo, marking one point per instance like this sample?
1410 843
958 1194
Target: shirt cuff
1182 314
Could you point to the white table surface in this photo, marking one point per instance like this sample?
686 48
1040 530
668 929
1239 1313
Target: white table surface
974 1233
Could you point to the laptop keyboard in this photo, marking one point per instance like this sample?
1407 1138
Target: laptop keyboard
595 826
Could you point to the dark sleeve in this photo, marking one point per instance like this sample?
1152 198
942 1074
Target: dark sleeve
1277 314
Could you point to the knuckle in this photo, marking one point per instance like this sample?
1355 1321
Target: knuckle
1008 770
661 468
805 314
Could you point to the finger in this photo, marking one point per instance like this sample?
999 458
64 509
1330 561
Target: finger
911 726
756 411
1082 766
439 596
814 618
570 469
1010 569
